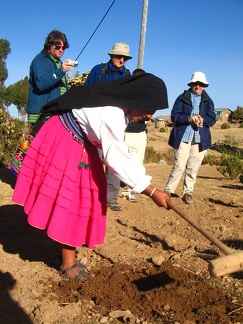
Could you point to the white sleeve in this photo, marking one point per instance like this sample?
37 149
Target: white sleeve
106 126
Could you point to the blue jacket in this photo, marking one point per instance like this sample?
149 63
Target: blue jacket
180 113
44 82
111 74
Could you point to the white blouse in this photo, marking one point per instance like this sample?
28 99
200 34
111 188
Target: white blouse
105 127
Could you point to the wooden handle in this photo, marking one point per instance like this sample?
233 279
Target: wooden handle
232 262
201 229
226 264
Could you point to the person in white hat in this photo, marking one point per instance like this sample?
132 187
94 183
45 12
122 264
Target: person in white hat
192 114
112 70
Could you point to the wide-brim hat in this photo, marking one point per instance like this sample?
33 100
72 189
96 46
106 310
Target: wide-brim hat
120 49
198 77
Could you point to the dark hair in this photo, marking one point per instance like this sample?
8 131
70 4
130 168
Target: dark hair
138 71
55 37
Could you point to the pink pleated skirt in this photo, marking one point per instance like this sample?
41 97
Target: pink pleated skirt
58 193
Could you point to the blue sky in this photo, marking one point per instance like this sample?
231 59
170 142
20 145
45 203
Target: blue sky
181 37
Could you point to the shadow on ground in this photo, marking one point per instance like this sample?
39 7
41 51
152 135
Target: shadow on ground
18 237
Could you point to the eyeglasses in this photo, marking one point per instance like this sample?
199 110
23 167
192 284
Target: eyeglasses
58 47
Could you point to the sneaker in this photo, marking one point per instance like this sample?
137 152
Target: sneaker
115 207
131 198
168 192
188 199
125 191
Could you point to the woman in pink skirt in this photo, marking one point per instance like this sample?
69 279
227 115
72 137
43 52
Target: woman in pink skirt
61 183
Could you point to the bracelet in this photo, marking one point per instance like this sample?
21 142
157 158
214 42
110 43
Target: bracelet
152 192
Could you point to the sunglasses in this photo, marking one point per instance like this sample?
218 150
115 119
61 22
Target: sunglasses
198 84
122 56
58 47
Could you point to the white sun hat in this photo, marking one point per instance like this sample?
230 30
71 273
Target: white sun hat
120 49
198 77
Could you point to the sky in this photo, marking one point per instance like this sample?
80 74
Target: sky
182 36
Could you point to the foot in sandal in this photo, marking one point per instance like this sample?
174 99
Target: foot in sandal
77 272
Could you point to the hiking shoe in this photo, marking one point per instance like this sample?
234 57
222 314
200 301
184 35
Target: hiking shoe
131 198
115 207
187 198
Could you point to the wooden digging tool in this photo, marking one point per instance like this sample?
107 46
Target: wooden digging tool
221 266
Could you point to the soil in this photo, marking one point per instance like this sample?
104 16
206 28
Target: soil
153 267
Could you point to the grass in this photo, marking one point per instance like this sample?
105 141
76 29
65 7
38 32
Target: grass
160 140
158 148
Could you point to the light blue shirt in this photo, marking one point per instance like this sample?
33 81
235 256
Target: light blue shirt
191 128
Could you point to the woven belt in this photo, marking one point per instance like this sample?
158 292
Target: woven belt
73 127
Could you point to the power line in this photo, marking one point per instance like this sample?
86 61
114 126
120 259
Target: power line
95 29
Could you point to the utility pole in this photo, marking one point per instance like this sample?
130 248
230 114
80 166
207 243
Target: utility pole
142 34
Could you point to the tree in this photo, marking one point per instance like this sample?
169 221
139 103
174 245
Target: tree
237 115
76 74
2 89
17 94
4 51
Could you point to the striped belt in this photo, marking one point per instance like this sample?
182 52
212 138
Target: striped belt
73 127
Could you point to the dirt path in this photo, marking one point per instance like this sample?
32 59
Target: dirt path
147 266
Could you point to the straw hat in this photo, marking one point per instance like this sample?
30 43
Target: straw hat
120 49
198 77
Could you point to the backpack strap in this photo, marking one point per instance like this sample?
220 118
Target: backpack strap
127 73
102 71
105 70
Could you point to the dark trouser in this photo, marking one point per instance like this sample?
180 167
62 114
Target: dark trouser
113 187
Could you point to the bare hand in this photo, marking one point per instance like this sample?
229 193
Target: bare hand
66 66
200 119
160 197
197 120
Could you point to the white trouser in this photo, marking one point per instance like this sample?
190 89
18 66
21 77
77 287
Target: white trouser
136 142
188 158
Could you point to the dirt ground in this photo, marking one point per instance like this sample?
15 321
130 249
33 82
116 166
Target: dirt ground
151 269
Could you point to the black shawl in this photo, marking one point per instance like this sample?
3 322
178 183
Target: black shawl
144 92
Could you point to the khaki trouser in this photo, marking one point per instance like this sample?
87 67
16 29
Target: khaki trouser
188 159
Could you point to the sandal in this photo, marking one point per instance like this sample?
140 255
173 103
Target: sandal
81 275
81 265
